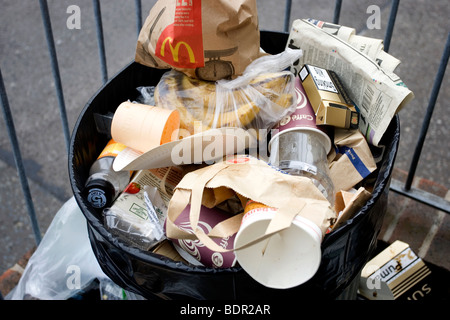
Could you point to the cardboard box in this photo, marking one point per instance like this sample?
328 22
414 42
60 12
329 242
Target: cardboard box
396 273
328 98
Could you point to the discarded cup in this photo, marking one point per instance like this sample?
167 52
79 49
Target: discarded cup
300 147
284 259
194 251
144 127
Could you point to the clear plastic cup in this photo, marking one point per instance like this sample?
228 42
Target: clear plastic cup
302 153
300 147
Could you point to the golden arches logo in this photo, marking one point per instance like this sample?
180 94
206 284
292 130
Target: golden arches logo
176 50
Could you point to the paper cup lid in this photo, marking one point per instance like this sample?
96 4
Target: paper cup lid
210 145
284 260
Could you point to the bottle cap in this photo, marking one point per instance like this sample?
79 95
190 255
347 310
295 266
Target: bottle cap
99 193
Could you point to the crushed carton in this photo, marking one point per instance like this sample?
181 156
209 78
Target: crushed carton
328 98
396 273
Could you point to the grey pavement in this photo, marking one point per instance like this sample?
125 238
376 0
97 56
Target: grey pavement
418 41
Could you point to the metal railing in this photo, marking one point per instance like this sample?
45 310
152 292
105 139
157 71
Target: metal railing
405 189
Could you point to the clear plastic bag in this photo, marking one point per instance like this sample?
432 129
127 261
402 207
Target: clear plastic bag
131 229
146 95
258 99
63 263
137 219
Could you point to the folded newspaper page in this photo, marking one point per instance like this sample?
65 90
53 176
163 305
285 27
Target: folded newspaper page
373 47
377 92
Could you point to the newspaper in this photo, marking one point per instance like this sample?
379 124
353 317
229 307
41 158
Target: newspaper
376 91
372 47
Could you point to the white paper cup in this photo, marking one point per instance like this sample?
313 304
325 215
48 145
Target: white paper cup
283 260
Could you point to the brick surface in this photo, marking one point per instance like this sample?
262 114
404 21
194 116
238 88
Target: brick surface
414 224
432 187
438 252
396 206
425 229
10 278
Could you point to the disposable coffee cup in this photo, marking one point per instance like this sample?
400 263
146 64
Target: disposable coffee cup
284 259
195 251
303 119
143 127
300 147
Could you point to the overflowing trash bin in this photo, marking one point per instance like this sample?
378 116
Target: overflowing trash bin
227 162
344 250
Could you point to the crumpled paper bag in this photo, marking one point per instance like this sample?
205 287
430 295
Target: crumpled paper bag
208 39
249 178
351 161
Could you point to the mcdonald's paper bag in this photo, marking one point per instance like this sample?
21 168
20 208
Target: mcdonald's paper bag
206 39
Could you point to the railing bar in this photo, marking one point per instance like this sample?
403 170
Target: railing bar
337 11
421 196
18 160
391 23
100 39
287 15
429 113
55 70
138 16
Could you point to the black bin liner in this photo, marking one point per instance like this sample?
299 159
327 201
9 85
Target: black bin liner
345 251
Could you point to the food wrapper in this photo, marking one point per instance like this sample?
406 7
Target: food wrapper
258 99
206 39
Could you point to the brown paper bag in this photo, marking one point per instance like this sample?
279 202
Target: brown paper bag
251 179
352 159
348 203
206 39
